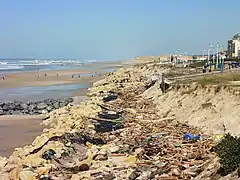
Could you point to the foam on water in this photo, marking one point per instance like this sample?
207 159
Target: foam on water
12 66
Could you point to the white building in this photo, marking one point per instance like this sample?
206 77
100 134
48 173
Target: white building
234 46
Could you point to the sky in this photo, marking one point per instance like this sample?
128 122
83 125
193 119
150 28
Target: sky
113 29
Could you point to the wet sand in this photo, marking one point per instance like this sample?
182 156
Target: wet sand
54 77
39 78
17 131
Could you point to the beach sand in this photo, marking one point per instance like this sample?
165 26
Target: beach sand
16 131
39 78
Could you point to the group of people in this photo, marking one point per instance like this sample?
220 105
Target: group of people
46 75
96 73
206 68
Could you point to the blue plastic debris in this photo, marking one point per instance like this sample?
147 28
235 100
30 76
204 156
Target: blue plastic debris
191 137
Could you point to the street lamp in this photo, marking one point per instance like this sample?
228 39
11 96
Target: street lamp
203 53
218 45
209 50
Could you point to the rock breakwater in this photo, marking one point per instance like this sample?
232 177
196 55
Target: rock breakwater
33 107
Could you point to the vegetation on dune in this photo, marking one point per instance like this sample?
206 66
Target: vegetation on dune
213 79
228 150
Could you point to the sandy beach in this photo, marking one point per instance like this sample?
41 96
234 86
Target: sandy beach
52 77
16 131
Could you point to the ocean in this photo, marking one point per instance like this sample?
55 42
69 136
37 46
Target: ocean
24 65
11 66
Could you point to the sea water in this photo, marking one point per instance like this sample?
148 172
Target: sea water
40 92
9 66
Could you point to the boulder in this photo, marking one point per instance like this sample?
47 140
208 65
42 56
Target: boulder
49 108
23 106
42 105
56 105
31 107
26 175
1 112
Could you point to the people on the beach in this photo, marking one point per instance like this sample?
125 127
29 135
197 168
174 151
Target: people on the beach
45 74
3 78
79 76
205 68
72 76
57 74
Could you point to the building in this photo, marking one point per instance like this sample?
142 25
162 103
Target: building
230 48
234 46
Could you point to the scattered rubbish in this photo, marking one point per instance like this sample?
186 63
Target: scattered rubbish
107 126
45 177
107 115
48 154
137 144
110 97
191 137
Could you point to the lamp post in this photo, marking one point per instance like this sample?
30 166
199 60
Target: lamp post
218 45
203 53
209 50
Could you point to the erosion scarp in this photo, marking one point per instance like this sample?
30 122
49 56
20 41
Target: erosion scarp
128 128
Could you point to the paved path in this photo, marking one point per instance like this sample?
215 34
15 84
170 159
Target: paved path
203 74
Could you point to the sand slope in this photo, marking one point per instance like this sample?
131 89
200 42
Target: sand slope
213 108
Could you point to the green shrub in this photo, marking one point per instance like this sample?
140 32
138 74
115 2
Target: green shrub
228 150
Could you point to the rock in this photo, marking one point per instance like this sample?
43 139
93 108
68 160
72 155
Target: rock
31 107
62 104
14 174
101 157
5 107
1 104
23 106
176 172
133 174
1 112
114 149
56 105
41 106
49 108
44 111
70 100
26 175
3 162
139 152
100 82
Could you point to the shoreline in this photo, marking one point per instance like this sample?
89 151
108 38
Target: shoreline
117 130
55 77
26 134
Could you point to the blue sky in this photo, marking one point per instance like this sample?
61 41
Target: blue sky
113 29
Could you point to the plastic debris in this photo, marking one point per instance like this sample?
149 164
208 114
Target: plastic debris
48 154
191 137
